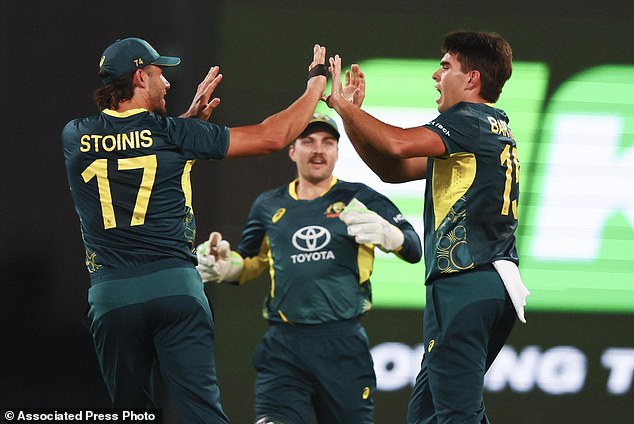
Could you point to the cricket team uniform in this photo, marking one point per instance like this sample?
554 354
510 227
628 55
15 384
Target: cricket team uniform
316 353
470 218
129 175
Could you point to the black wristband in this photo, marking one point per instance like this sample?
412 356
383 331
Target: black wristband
317 70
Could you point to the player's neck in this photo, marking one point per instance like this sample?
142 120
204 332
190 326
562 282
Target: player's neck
308 190
133 103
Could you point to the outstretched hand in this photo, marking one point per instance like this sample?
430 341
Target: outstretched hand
319 59
203 104
354 89
352 92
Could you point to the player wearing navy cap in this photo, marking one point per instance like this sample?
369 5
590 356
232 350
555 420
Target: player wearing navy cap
468 155
316 236
129 172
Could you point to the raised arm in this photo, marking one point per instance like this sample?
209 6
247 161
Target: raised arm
394 154
280 129
203 104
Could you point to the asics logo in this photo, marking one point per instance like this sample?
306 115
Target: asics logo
311 238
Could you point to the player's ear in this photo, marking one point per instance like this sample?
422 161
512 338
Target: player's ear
291 150
139 78
474 79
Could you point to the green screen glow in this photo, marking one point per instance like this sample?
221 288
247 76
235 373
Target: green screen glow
576 234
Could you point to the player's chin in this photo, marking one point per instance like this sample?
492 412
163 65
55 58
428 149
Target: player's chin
161 108
440 105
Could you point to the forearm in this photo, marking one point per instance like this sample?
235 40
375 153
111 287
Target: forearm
276 131
286 125
386 149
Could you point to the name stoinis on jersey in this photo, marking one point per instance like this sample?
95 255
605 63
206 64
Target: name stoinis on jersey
121 141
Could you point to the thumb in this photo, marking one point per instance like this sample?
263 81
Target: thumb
214 238
224 249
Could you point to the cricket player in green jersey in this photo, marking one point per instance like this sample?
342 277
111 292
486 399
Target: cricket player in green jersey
129 172
468 155
316 236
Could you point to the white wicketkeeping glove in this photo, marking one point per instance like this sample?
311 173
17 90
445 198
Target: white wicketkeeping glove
367 226
217 263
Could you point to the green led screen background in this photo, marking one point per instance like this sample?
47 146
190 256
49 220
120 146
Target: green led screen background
570 103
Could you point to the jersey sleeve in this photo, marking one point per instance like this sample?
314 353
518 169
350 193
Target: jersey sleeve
254 231
458 128
255 265
199 139
411 251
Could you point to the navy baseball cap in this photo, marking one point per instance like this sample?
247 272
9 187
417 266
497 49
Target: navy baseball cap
126 56
320 121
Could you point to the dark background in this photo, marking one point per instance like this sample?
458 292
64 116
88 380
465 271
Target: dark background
50 53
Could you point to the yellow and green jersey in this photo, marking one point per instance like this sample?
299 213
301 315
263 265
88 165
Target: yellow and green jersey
129 175
318 273
472 192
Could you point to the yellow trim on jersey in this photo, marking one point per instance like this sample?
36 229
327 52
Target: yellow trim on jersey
293 192
254 266
365 261
124 114
269 257
281 314
451 178
186 182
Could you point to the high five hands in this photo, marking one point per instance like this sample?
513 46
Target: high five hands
350 92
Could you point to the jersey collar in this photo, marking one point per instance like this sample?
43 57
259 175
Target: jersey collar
293 193
124 114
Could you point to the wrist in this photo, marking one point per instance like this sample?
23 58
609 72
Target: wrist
236 265
318 70
316 85
394 237
342 106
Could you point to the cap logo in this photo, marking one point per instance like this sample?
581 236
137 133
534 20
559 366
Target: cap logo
103 59
138 62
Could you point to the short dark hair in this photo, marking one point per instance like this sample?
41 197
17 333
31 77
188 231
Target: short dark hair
486 52
109 96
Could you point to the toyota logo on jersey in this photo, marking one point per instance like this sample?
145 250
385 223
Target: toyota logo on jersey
311 238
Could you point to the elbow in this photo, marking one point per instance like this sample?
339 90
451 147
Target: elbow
395 148
390 174
391 179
